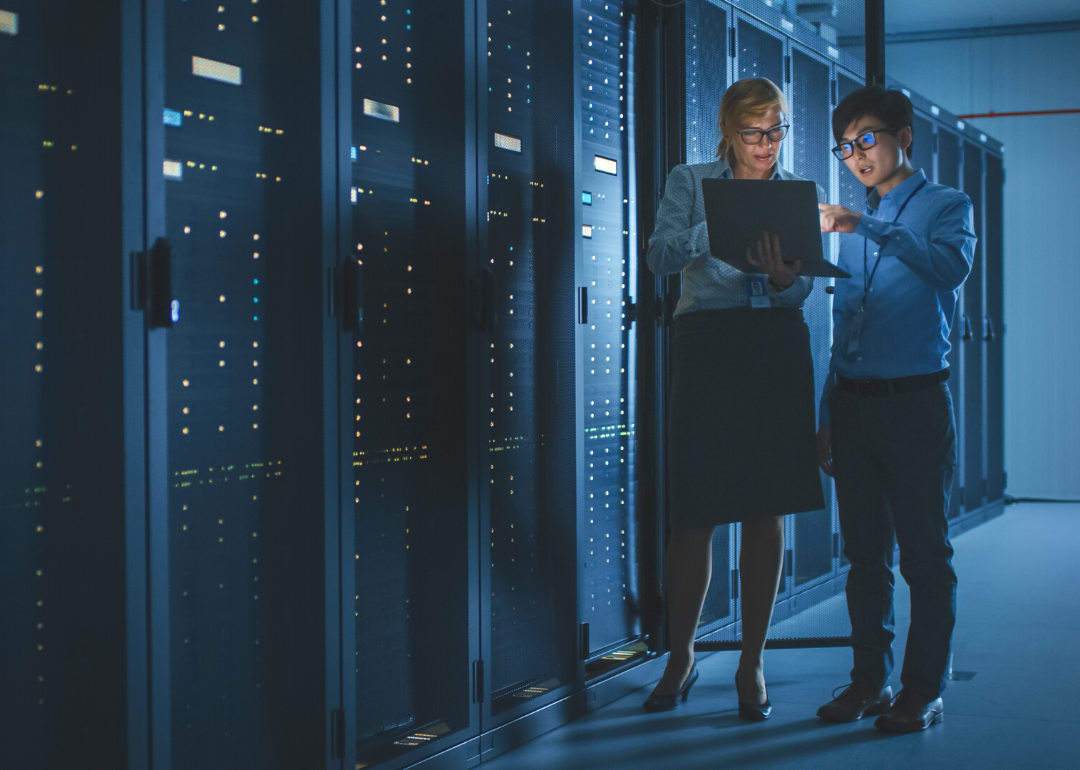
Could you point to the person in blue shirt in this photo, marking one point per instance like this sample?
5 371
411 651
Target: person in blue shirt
887 432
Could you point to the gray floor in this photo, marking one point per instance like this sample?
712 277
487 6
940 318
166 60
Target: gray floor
1017 630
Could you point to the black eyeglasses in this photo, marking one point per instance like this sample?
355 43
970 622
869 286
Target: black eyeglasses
863 141
755 135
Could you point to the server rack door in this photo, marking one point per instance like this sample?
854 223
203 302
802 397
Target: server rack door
70 456
414 607
758 52
922 146
974 474
852 191
809 143
528 422
707 77
608 592
995 329
853 196
244 395
948 173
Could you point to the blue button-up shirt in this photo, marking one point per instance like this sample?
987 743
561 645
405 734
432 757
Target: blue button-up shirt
925 258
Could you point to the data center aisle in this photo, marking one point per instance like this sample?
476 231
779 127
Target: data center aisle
1018 620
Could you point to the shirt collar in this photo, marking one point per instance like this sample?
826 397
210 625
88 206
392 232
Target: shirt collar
898 193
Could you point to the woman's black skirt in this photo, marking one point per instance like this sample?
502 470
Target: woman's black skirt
741 417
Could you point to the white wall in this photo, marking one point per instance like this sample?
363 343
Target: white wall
1042 231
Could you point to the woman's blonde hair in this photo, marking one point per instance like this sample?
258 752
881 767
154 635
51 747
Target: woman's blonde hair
745 100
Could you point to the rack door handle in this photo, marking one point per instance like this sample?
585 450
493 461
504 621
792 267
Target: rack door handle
988 329
347 294
967 329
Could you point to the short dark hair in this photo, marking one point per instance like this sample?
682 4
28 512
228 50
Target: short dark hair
887 105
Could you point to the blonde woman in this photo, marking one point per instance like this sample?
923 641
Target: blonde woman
741 412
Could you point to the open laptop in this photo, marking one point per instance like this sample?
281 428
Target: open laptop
738 211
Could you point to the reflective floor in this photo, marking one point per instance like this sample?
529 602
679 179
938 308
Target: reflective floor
1017 630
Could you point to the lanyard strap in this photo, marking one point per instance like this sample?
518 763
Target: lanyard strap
868 282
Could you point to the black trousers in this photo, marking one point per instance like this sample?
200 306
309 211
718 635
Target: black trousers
893 460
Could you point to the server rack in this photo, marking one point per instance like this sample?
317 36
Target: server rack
72 648
382 192
968 159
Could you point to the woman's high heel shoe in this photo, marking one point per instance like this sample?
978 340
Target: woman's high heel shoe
753 712
669 702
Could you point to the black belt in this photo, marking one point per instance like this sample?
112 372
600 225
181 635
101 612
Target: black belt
889 387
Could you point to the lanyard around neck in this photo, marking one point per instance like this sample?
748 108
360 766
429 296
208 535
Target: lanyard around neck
868 282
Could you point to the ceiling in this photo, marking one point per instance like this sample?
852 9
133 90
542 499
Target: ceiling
923 15
905 16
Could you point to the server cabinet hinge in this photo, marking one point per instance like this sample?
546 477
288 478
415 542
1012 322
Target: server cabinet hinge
789 563
583 640
731 35
787 69
734 584
151 285
478 681
631 314
836 545
583 304
337 734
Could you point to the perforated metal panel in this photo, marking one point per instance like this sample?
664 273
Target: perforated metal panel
811 138
608 581
758 54
974 471
948 173
922 146
244 372
706 69
528 367
995 313
408 423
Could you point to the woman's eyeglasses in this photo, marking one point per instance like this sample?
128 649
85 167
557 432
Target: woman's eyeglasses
755 135
863 141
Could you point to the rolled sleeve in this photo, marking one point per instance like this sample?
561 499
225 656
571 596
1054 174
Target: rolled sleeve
943 259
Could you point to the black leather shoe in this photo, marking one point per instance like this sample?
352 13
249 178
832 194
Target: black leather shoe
753 712
670 702
911 714
856 702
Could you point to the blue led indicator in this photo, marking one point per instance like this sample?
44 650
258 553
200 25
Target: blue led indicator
586 198
256 318
173 118
254 299
352 153
256 281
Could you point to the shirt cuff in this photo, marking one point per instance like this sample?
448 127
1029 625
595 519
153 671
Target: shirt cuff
871 228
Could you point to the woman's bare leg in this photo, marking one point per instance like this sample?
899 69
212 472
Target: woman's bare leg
689 569
761 562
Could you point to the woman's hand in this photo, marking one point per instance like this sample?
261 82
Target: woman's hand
767 258
824 449
837 219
